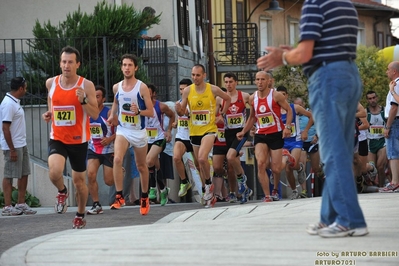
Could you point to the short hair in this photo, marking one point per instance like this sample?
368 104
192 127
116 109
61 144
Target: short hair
17 83
71 50
187 82
371 92
102 89
149 10
152 88
223 89
200 66
230 75
131 57
282 88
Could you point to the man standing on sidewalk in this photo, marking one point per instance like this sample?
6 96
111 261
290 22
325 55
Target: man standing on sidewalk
327 50
71 101
13 144
391 131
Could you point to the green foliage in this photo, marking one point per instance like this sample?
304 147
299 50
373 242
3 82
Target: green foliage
371 64
372 67
101 37
294 80
31 200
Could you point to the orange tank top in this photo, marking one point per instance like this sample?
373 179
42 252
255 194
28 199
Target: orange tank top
70 122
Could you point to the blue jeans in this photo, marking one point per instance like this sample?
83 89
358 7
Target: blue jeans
334 92
392 143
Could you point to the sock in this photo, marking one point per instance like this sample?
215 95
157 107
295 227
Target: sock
160 179
184 181
80 215
152 182
208 181
119 193
144 195
64 190
96 203
203 189
239 176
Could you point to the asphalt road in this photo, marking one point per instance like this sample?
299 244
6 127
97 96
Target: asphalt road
17 229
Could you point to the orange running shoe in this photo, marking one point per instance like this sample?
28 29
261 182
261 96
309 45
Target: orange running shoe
119 202
144 206
291 160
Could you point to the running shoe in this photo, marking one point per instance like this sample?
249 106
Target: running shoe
144 206
290 159
336 230
11 211
183 189
303 194
232 197
208 192
275 196
267 199
96 209
25 209
78 223
210 203
295 195
152 194
389 188
313 229
118 203
61 205
245 197
242 184
164 196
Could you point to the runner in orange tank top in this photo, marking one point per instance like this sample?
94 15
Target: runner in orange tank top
71 100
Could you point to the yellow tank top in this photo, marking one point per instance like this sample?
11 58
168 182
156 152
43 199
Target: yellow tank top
202 111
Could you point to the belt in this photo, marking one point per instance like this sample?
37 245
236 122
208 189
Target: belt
324 63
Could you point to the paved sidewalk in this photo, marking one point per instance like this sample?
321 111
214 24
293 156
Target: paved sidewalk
251 234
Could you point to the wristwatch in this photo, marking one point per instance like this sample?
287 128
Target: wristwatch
288 127
85 101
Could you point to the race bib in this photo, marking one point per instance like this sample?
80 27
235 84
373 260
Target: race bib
182 123
235 120
293 130
220 135
377 131
200 118
152 132
64 115
266 120
129 119
96 130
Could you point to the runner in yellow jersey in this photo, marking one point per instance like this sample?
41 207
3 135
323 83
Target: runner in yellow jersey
201 100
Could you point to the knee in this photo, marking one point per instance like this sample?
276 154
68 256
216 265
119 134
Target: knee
202 161
118 160
177 160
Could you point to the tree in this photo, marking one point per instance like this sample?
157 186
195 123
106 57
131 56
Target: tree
372 66
101 37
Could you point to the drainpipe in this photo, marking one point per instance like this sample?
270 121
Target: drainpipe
211 59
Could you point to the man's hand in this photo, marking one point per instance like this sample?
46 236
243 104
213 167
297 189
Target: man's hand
47 116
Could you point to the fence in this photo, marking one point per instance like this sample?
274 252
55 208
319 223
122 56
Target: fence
38 59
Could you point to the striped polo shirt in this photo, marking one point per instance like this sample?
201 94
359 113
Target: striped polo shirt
333 25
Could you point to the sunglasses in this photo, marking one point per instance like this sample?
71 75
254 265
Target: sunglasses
126 106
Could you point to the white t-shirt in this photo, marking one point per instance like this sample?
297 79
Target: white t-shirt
11 111
390 99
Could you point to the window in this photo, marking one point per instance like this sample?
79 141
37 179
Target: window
361 38
265 33
183 22
294 31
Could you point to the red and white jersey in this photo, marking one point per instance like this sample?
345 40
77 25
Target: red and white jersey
236 114
268 114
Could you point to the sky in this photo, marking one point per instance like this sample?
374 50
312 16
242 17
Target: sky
395 22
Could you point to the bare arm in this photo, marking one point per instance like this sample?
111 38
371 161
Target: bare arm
250 121
361 111
182 106
300 110
48 114
91 107
227 100
112 116
280 99
145 94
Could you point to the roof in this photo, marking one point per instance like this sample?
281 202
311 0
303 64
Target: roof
372 5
